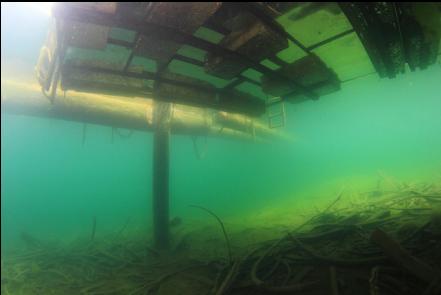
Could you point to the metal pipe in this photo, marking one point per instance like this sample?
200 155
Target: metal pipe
26 98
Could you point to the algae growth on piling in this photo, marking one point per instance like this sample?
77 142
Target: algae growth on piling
344 198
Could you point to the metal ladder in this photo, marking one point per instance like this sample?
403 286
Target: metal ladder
275 108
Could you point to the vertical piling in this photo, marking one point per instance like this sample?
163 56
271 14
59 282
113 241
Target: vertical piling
161 155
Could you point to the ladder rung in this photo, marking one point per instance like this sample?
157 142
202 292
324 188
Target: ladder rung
273 100
280 115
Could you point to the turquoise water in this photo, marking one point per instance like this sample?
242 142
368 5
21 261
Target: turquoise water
53 184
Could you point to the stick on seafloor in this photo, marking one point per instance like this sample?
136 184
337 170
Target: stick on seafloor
92 237
227 241
401 256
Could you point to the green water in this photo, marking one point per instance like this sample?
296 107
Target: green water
53 184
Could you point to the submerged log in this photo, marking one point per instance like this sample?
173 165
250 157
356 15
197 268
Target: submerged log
401 256
132 113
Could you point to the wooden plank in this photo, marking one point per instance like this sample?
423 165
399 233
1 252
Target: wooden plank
191 91
309 71
261 12
249 37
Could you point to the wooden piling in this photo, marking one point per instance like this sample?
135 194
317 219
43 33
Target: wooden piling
161 162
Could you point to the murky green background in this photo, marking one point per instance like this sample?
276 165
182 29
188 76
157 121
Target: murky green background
52 184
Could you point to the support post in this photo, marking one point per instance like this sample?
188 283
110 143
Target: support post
161 153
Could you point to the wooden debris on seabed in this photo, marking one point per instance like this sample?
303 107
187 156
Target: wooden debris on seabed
92 236
249 37
333 280
310 72
396 252
311 259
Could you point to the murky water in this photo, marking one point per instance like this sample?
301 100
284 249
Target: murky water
59 178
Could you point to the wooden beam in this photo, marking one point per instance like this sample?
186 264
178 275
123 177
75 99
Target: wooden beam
250 106
378 30
330 39
260 12
194 61
93 17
